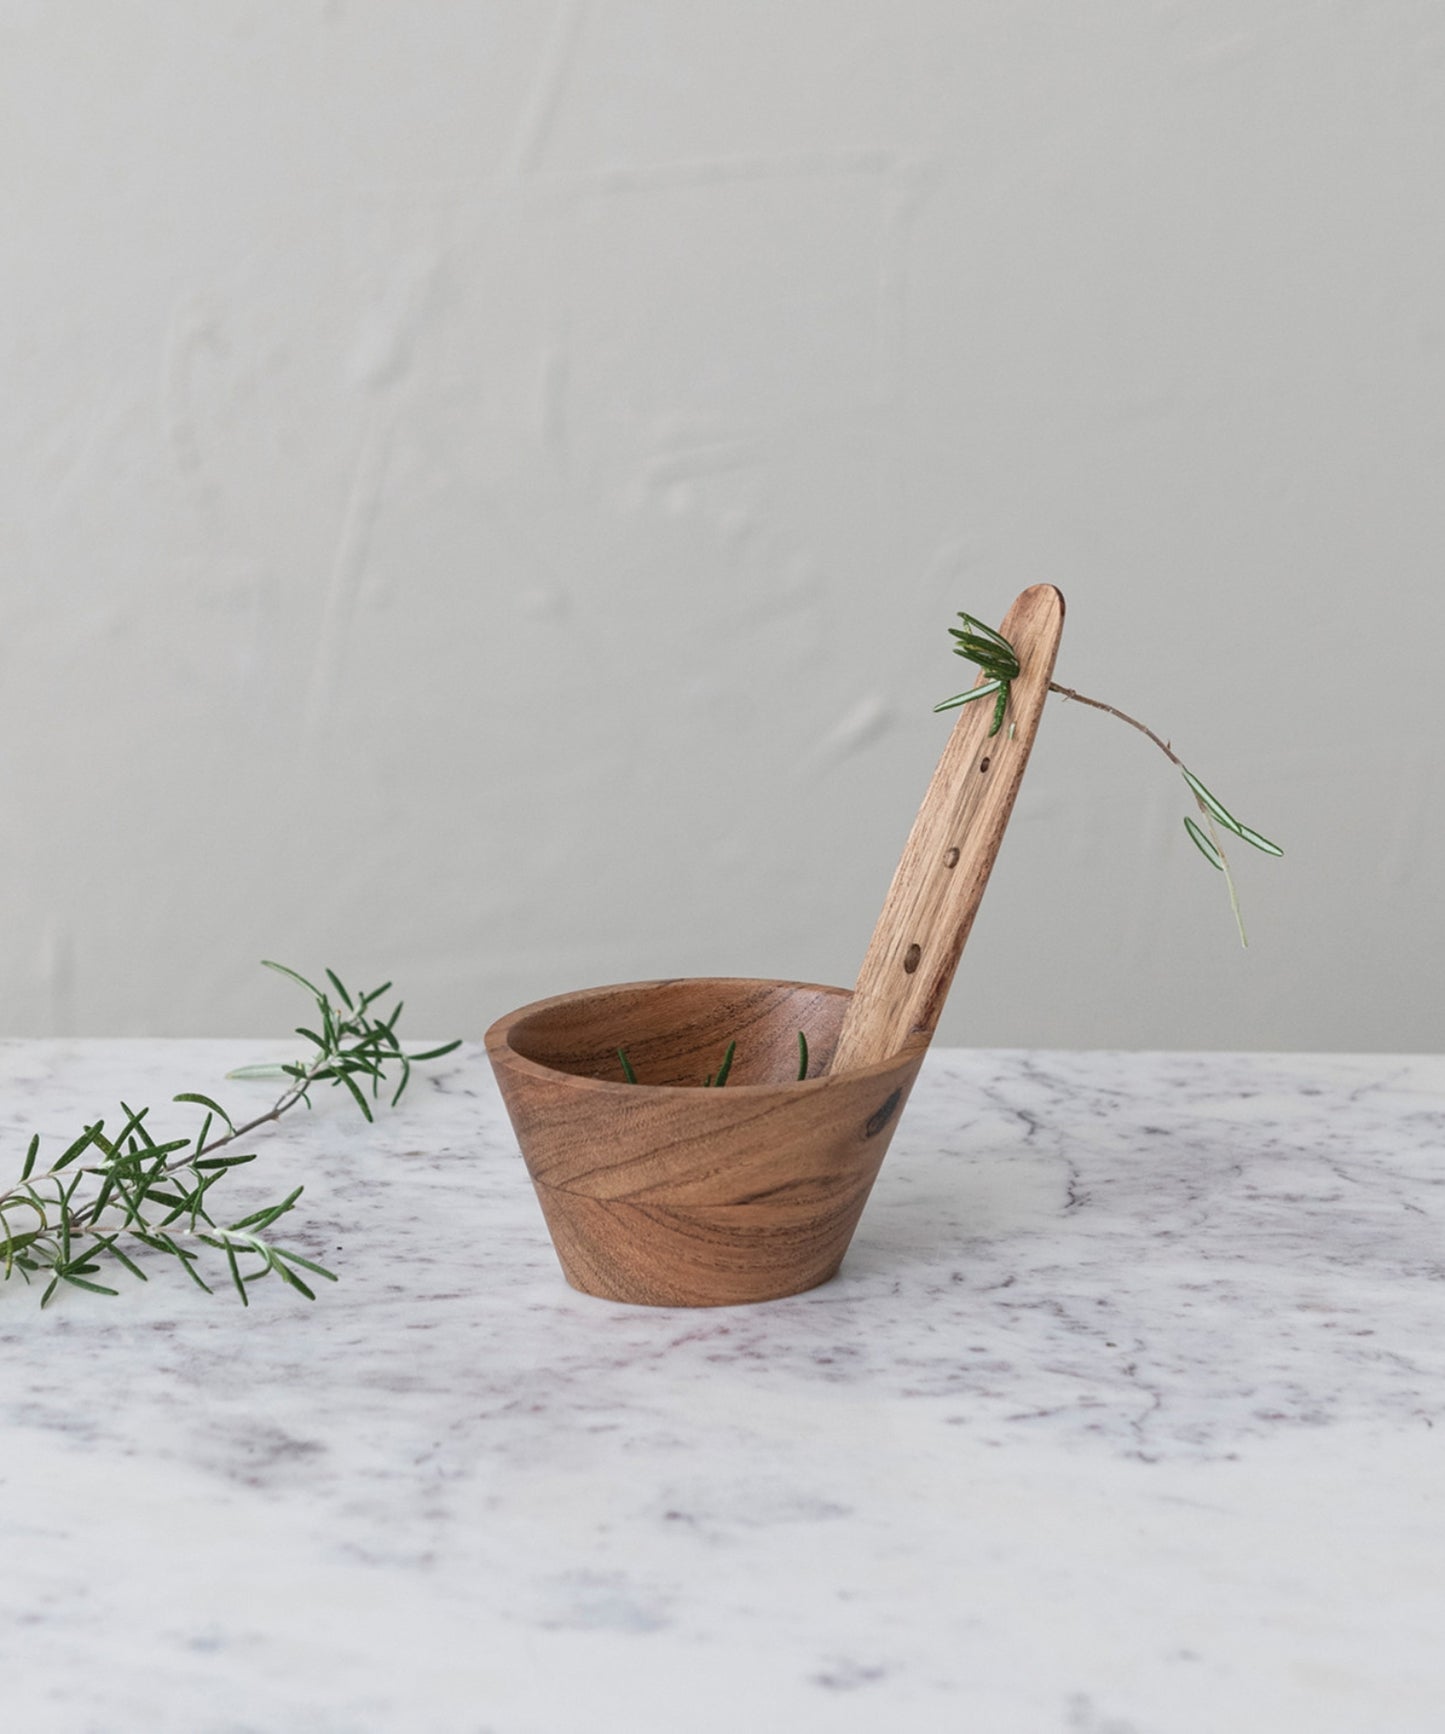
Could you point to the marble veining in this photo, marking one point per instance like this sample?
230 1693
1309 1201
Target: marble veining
1123 1417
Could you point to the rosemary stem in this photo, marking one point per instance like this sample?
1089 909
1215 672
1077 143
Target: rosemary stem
277 1109
1174 758
93 1226
288 1100
1123 716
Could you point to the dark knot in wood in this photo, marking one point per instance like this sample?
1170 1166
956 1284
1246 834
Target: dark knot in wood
881 1116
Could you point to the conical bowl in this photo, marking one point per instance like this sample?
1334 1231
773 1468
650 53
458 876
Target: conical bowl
666 1193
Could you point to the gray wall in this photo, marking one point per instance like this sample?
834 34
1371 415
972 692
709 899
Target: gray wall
484 488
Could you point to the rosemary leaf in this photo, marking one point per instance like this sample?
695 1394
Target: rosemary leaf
206 1102
342 994
1202 843
973 692
282 969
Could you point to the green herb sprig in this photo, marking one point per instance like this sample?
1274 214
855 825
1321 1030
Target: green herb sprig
109 1195
716 1080
992 653
995 656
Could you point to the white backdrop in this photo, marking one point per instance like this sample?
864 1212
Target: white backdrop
483 489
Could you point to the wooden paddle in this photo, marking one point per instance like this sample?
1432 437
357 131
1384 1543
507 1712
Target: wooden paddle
950 851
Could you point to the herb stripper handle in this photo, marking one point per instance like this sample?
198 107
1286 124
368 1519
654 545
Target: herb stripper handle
950 851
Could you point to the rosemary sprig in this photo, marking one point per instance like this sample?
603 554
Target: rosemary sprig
995 656
715 1080
992 653
718 1078
77 1217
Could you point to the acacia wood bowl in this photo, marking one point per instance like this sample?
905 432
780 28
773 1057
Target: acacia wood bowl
667 1194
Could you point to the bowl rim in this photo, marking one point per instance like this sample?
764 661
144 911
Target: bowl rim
501 1052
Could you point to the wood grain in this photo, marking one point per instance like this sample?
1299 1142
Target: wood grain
951 850
663 1193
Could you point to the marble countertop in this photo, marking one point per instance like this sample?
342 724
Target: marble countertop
1125 1416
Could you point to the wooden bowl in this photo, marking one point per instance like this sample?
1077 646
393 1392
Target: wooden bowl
664 1193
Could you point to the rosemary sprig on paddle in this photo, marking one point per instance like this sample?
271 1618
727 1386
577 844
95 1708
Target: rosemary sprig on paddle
112 1196
995 656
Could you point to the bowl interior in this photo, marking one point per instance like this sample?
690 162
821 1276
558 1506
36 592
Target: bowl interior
676 1033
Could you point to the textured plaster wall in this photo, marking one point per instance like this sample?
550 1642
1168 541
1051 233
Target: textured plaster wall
483 488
